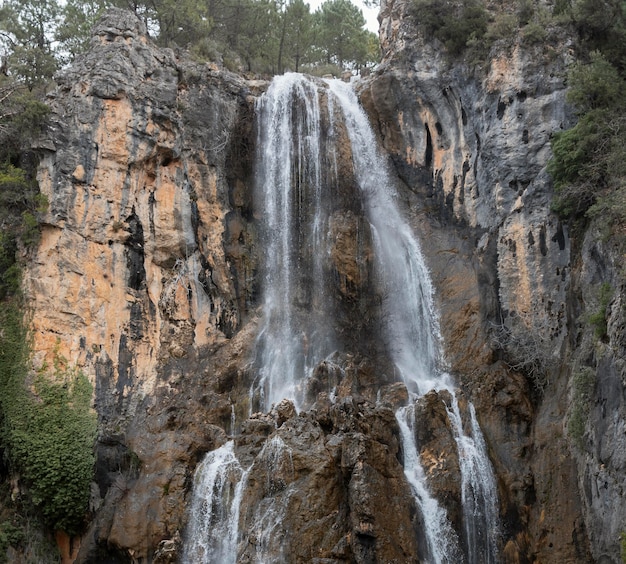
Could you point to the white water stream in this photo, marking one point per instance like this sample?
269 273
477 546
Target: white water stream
212 534
296 333
411 331
295 168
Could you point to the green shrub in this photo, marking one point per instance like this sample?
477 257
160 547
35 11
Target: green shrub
589 160
598 319
20 206
503 26
525 12
48 427
452 23
534 33
10 535
583 384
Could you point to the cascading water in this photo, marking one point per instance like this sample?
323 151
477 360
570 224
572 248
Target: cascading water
296 333
214 525
296 175
442 542
479 490
412 334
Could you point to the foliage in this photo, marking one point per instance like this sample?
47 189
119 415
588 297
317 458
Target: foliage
340 35
20 205
21 116
74 31
598 319
264 36
453 23
10 535
601 25
48 428
589 160
583 384
28 29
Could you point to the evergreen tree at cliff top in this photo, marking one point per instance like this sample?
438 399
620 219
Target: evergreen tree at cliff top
265 36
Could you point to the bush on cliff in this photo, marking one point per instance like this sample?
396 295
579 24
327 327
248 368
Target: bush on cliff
48 427
589 160
452 23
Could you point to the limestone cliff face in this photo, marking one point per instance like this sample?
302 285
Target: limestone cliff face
147 278
137 257
473 144
140 271
597 382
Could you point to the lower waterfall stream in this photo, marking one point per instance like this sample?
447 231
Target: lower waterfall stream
297 175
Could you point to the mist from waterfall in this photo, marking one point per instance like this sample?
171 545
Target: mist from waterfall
296 174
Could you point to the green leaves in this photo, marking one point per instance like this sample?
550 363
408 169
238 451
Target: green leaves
341 35
48 428
453 23
589 160
595 85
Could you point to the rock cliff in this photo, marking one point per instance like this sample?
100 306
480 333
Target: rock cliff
147 277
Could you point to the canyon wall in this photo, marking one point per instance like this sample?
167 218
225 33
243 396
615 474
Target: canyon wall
147 278
473 140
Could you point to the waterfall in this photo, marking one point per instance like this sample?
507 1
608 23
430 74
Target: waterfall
212 532
296 180
296 333
442 542
479 491
411 331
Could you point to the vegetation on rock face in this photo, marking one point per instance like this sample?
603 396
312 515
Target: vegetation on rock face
599 319
21 115
453 23
471 27
589 163
583 383
48 428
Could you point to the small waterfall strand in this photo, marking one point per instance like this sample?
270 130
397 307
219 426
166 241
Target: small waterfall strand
212 532
479 490
442 542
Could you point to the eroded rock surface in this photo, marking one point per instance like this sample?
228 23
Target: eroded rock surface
146 277
471 145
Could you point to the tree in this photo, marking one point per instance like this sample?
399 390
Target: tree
258 33
27 29
181 22
297 38
340 32
589 160
74 31
453 23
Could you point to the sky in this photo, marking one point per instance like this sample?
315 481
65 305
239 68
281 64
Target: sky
370 14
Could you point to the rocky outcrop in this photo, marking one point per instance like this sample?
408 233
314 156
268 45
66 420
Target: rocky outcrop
471 145
146 277
320 489
144 267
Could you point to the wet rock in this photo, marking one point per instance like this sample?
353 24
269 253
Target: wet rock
439 453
